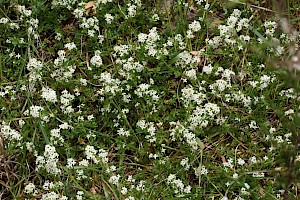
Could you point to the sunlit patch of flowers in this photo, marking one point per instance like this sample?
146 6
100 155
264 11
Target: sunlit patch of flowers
118 102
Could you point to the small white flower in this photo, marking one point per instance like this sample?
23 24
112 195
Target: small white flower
49 94
114 179
235 176
241 161
195 26
29 188
207 69
108 18
253 160
124 190
70 46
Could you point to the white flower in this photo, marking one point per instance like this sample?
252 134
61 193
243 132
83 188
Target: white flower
195 26
114 179
189 34
191 74
90 153
50 196
124 190
131 10
241 161
34 111
49 94
142 37
155 17
108 18
3 20
70 46
288 112
253 160
10 133
34 65
29 188
79 195
96 60
29 146
235 176
71 163
122 132
207 69
272 130
253 125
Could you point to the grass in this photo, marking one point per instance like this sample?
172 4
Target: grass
129 100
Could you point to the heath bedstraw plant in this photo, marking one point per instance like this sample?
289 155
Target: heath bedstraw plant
112 99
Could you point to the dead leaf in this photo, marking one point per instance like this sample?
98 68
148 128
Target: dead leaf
195 53
94 190
89 5
223 159
89 8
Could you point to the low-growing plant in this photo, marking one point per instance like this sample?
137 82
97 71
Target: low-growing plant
136 99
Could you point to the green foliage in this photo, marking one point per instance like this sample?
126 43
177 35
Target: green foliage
148 100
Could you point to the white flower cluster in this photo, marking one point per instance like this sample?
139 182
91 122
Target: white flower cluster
121 50
190 95
289 93
240 98
32 29
129 66
35 67
265 80
202 114
96 60
201 170
228 32
191 74
62 72
150 128
79 195
30 189
144 91
34 111
56 137
270 27
122 132
131 10
24 11
108 18
110 85
180 131
91 25
49 94
65 101
150 41
70 46
9 133
48 161
185 163
53 196
219 85
186 60
193 27
96 155
114 179
66 3
178 185
4 20
49 185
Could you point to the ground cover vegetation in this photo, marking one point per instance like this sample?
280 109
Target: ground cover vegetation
132 99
